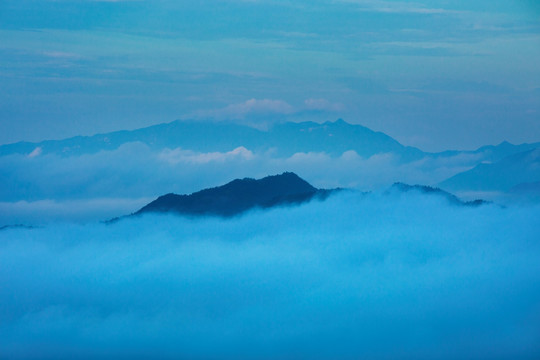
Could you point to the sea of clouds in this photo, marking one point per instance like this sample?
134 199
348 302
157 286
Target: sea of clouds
41 187
395 276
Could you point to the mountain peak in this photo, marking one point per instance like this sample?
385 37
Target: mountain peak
505 143
239 196
453 199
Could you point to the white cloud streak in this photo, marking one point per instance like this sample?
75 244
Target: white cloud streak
249 107
399 7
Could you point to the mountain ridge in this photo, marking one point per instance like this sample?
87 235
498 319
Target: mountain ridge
283 138
503 175
286 138
451 198
242 195
239 196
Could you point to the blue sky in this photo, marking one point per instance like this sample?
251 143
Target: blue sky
437 75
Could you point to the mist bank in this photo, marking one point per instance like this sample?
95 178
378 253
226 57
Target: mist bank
398 276
135 170
120 168
94 187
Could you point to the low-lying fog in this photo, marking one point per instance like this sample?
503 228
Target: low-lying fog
358 276
93 187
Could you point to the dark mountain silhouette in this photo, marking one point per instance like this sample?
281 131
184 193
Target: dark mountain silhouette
239 196
453 199
16 226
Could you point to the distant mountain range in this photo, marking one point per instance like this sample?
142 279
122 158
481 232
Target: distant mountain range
284 139
239 196
517 172
451 198
503 167
493 153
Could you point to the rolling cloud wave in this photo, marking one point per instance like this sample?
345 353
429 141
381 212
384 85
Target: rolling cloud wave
395 276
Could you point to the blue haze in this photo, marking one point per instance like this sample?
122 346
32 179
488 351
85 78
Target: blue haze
113 174
359 276
377 276
435 75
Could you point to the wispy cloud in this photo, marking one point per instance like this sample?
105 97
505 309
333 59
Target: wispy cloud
36 152
249 107
259 108
61 55
50 211
179 155
141 63
398 7
323 105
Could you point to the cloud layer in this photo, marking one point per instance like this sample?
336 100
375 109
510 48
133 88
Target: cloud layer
43 185
354 277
